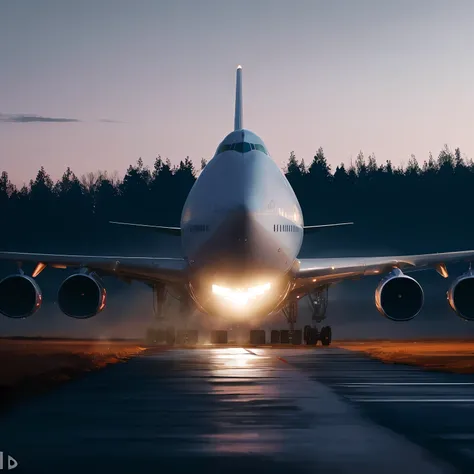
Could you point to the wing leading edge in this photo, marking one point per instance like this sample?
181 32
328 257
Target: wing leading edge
136 268
315 271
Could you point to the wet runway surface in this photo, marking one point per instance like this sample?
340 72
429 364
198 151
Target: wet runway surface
233 409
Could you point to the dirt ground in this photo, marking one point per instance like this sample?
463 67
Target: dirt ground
29 366
450 356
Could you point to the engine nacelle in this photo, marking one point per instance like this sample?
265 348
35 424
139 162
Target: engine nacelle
399 297
461 296
82 296
20 296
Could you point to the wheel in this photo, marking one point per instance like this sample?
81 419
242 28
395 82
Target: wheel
284 336
307 335
257 337
218 337
275 337
311 336
326 335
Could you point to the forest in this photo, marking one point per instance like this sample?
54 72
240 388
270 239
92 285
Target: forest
431 201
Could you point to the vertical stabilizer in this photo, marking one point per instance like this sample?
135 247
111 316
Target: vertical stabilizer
238 100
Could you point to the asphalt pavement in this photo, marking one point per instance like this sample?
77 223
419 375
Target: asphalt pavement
234 409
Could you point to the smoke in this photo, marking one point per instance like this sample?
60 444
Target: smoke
129 312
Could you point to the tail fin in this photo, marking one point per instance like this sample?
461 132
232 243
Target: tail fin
238 100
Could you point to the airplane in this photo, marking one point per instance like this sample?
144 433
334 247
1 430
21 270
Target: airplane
241 231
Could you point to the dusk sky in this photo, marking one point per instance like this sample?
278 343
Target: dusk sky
142 78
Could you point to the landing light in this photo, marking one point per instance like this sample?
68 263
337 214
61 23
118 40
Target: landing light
240 297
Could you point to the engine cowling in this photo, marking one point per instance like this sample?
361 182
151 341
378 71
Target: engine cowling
20 296
399 297
461 296
82 296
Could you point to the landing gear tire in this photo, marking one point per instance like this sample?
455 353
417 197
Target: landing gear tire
311 336
218 337
257 337
326 335
275 337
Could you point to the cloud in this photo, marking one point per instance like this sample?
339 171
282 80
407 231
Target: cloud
109 121
29 118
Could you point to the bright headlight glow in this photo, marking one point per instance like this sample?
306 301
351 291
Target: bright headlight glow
240 297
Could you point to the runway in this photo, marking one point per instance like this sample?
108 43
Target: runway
234 409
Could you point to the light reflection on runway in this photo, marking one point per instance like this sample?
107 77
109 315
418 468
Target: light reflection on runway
234 409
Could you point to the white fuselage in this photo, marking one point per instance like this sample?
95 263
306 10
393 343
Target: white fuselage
242 228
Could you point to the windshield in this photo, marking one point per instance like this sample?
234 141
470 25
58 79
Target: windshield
241 147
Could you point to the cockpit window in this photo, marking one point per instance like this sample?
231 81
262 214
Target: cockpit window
223 148
246 147
241 147
261 148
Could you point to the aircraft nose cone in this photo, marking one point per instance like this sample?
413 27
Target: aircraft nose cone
240 225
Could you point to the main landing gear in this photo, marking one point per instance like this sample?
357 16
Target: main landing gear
311 335
168 305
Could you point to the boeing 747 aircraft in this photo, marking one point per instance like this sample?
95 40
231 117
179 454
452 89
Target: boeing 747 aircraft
241 232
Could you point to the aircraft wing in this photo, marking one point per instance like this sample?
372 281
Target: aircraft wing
312 272
146 269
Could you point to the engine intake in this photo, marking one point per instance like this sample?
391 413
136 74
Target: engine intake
20 296
82 296
461 296
399 297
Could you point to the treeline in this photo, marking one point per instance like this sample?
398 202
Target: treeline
434 196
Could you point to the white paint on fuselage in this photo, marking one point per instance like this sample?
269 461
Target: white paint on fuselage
249 184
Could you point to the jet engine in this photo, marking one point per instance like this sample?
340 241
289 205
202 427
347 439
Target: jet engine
399 297
318 302
20 296
461 296
82 296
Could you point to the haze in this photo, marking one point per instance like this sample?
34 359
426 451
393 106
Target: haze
98 84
